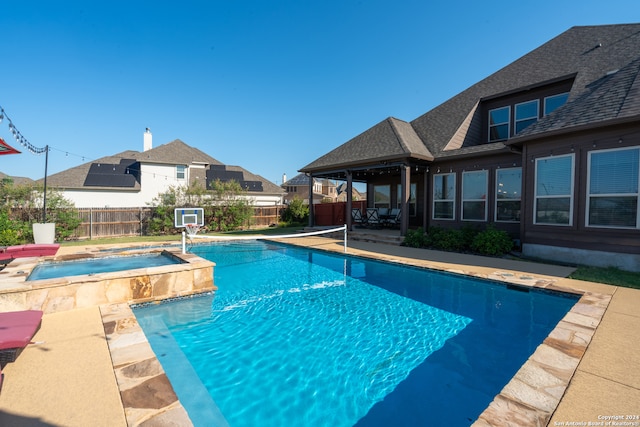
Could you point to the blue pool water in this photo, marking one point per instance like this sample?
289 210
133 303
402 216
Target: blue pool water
298 337
55 269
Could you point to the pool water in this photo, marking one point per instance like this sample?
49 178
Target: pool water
298 337
55 269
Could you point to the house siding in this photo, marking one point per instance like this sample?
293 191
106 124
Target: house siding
579 235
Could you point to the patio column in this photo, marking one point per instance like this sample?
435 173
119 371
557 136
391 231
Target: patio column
312 220
405 185
425 198
347 213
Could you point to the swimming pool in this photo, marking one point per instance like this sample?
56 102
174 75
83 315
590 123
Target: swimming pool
297 337
55 269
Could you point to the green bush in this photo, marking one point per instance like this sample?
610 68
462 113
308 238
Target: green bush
492 242
415 238
445 239
296 213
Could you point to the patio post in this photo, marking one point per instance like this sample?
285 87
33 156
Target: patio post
311 212
405 179
348 206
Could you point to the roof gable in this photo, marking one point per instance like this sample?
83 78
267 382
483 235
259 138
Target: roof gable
388 140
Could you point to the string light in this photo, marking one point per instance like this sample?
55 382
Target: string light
19 137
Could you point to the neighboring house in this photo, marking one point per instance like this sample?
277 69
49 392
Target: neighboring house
324 190
134 179
298 187
547 148
17 180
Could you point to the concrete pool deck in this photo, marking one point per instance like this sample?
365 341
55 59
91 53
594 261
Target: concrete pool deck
68 378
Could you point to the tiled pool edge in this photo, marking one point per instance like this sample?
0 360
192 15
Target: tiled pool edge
534 393
148 398
192 276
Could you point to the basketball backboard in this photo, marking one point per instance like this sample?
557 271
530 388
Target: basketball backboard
184 216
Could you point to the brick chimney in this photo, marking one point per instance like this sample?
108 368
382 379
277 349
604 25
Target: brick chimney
147 144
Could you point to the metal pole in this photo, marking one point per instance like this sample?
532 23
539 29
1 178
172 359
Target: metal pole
44 201
345 238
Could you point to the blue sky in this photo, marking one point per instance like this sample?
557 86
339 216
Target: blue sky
267 85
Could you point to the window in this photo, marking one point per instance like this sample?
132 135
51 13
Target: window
181 172
554 190
444 194
551 103
526 114
382 196
474 196
412 198
508 194
499 124
613 188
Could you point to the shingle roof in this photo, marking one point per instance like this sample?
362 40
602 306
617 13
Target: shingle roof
585 53
391 139
173 153
616 96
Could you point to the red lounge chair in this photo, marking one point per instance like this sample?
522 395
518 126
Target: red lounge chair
29 250
17 328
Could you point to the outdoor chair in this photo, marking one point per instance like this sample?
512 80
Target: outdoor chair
373 219
16 332
356 217
394 217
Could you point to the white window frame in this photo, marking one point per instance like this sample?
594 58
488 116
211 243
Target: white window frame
452 199
484 201
508 123
537 197
517 120
498 190
181 170
589 195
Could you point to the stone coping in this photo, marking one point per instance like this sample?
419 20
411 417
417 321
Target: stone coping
190 275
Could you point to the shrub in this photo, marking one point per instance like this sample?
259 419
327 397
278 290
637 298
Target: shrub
492 242
415 238
445 239
296 213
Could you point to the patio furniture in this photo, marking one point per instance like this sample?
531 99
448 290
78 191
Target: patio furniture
17 328
394 217
356 217
373 218
29 250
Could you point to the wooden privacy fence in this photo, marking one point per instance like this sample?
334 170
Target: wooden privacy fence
115 222
334 213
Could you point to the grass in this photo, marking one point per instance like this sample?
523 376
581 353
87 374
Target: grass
609 275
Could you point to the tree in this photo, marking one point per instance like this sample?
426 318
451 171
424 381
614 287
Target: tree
24 206
225 204
230 206
296 213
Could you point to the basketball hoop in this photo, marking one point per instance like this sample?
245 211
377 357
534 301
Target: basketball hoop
192 229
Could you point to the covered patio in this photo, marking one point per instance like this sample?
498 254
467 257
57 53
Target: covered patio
392 161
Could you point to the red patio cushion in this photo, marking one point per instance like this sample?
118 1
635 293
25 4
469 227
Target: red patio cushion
17 328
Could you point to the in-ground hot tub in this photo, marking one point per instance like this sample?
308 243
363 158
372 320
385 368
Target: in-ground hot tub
92 266
139 281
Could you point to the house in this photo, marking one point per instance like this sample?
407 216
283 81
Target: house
547 149
134 179
324 190
298 187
